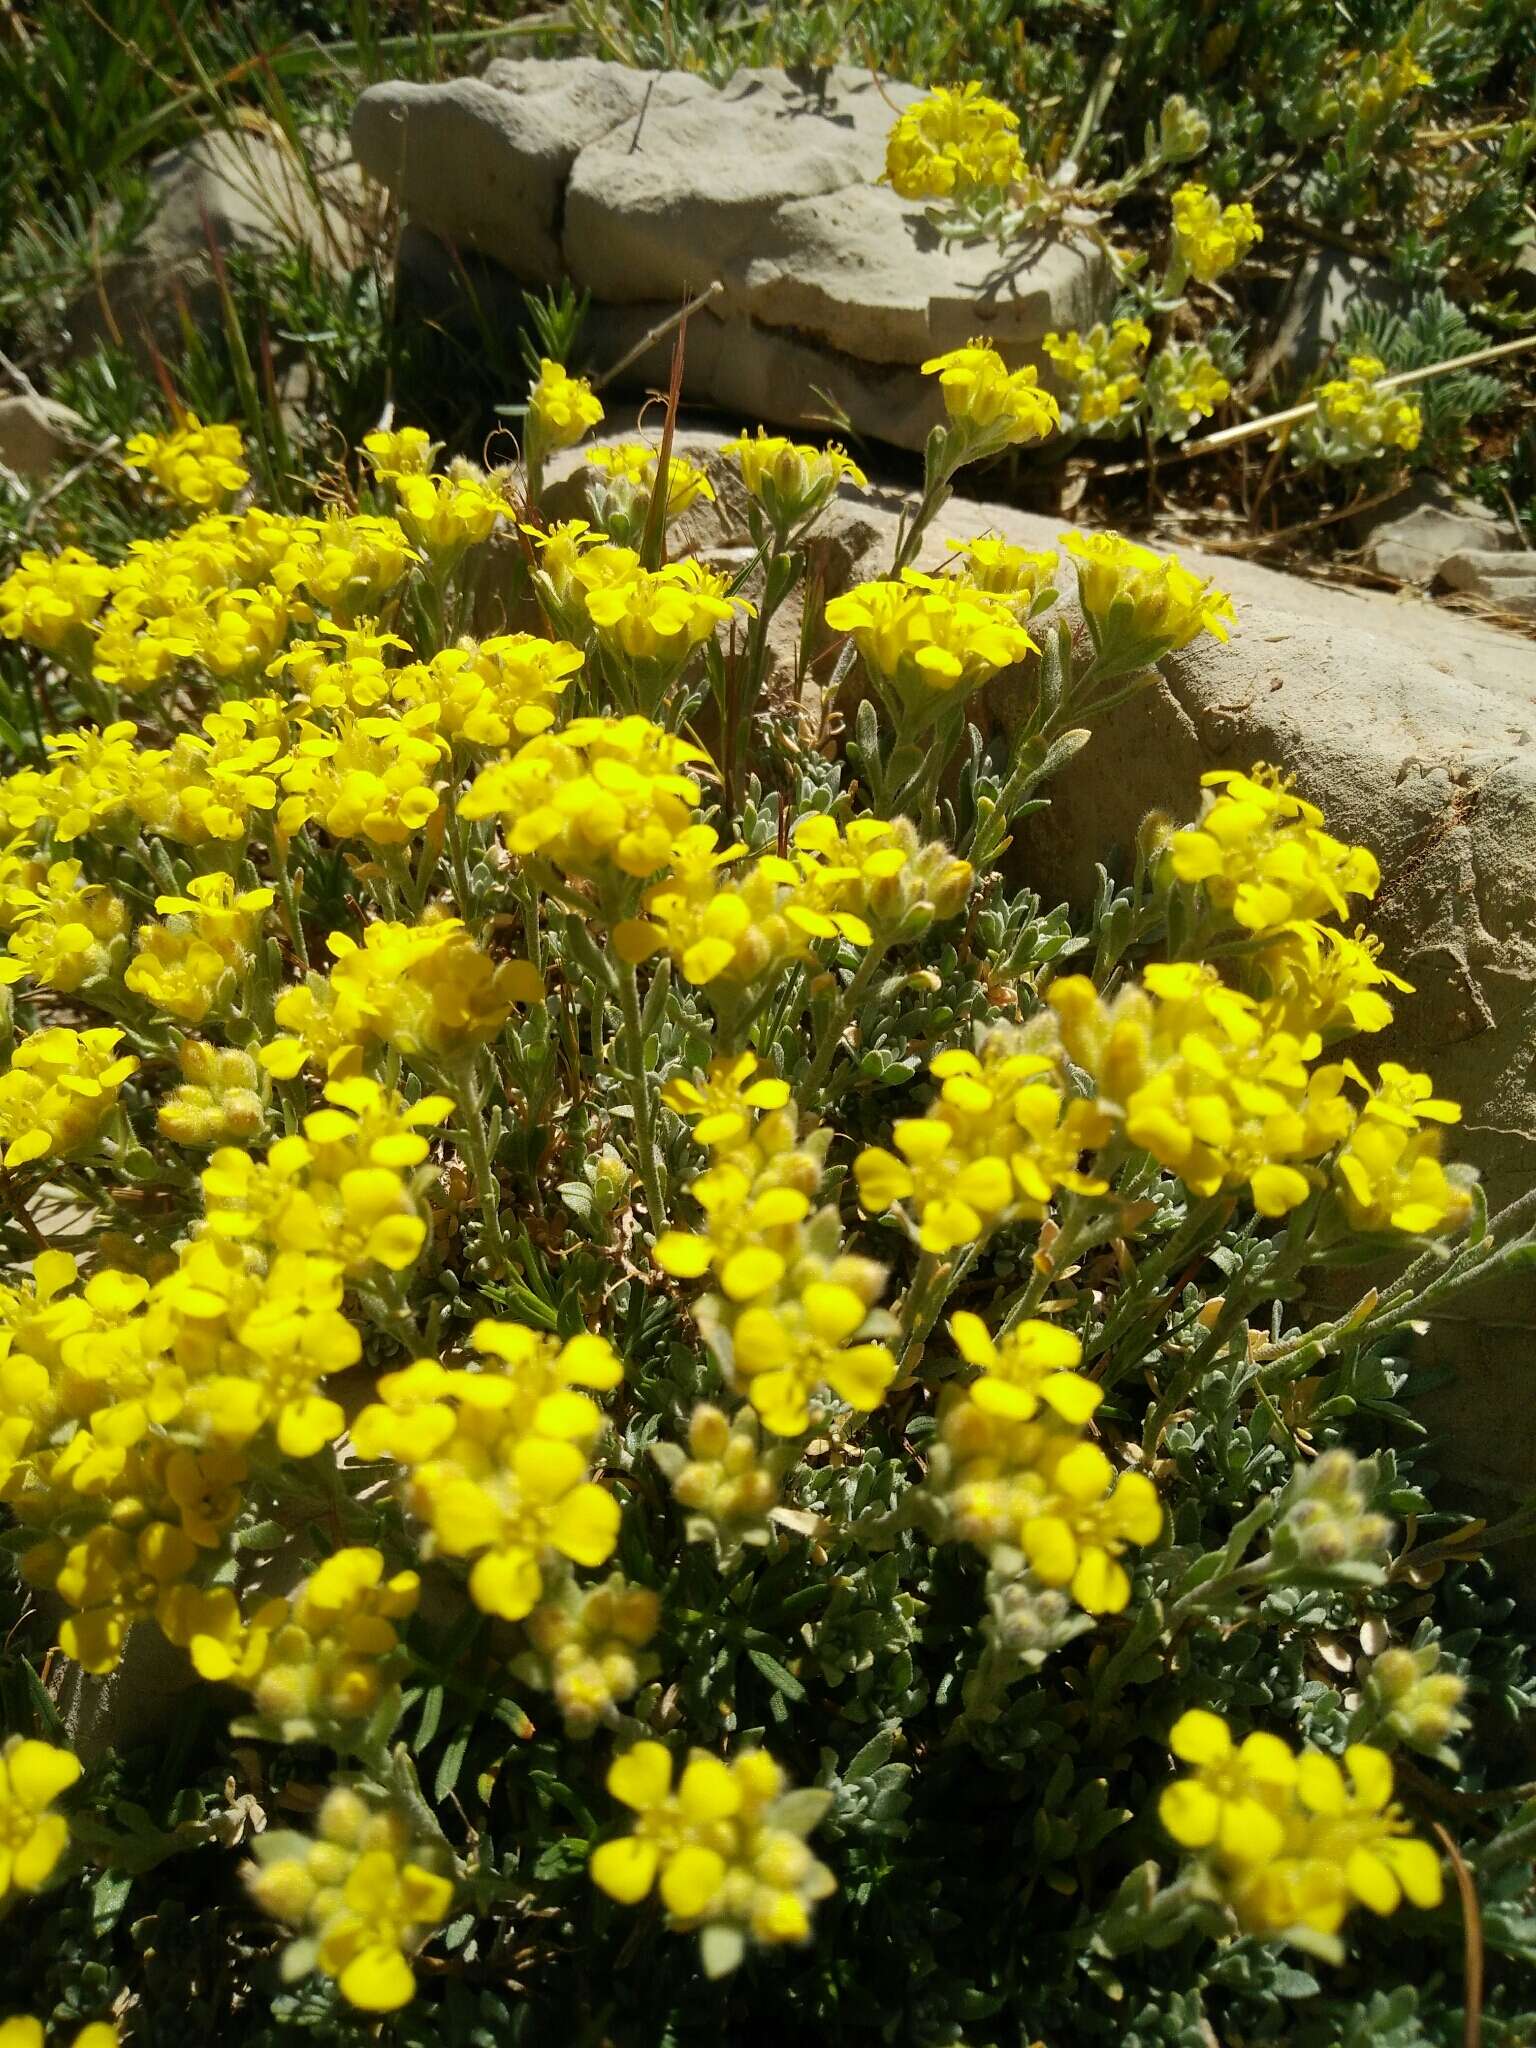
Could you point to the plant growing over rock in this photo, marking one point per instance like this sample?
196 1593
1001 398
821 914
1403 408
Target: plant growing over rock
664 1358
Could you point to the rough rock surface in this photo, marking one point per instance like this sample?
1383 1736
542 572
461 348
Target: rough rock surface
1506 580
243 189
650 189
1415 729
36 433
1414 536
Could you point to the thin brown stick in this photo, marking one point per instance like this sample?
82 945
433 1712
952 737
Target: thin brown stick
1249 430
1472 1934
658 333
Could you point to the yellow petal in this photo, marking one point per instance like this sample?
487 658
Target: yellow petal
625 1869
642 1777
690 1881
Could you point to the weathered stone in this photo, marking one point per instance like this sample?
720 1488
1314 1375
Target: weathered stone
236 189
36 433
830 292
1507 581
1412 537
1328 290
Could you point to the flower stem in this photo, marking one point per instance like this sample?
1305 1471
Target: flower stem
640 1096
842 1017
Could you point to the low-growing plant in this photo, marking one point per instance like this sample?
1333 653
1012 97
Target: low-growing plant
728 1423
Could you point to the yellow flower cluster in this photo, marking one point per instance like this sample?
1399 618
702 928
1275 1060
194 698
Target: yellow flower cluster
1292 1842
326 1656
725 1480
499 1457
365 1894
490 693
991 406
995 566
25 2032
222 1097
32 1836
340 1188
924 637
1357 420
1013 1470
951 144
194 464
52 600
1140 605
726 1848
561 408
789 1311
1102 369
1420 1703
1210 239
601 794
1261 855
790 480
860 883
652 618
60 1092
1003 1138
426 990
589 1650
199 961
369 777
626 480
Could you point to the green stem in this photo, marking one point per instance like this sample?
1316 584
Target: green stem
477 1155
283 875
841 1018
640 1096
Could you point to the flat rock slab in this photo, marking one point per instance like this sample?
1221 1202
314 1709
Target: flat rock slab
1415 730
649 188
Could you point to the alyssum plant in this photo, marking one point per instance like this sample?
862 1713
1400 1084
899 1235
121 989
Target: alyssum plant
574 1261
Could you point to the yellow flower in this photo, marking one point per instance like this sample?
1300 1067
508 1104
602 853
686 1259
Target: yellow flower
59 1091
603 793
952 144
401 451
444 515
1236 1797
733 1090
993 406
363 1891
1036 1361
1210 239
52 600
628 477
194 464
32 1837
725 1847
1139 604
789 479
1389 1170
561 408
929 635
499 1458
1259 851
